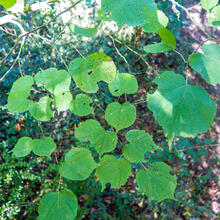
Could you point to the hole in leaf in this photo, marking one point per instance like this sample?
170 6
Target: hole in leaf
116 90
172 173
90 72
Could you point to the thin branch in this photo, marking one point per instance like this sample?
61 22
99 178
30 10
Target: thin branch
18 56
193 20
139 55
36 29
118 52
184 60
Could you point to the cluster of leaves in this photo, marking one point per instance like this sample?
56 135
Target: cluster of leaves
181 109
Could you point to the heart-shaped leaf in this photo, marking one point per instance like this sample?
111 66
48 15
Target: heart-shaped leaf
55 81
182 110
123 83
78 164
44 146
113 171
41 110
58 205
120 116
140 142
81 105
23 147
208 64
87 72
156 182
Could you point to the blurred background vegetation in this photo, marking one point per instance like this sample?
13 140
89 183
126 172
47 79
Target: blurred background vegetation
23 181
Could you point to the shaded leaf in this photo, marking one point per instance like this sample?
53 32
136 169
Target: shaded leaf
140 143
208 64
58 205
113 171
156 182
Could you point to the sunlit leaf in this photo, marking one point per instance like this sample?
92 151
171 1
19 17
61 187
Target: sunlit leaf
23 147
44 146
133 13
41 110
182 110
78 164
81 105
7 3
120 116
89 71
209 4
62 101
55 81
123 83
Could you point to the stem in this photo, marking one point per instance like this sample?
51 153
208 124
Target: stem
184 60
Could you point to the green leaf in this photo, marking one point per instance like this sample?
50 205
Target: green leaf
23 147
123 83
91 130
180 109
133 13
41 110
87 72
55 81
120 116
22 87
209 4
20 91
214 16
140 143
17 104
81 105
62 101
104 141
87 130
78 164
157 48
7 3
208 64
102 16
156 182
167 37
113 171
168 42
44 146
159 22
86 32
58 205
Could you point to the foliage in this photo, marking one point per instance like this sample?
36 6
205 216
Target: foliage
182 111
